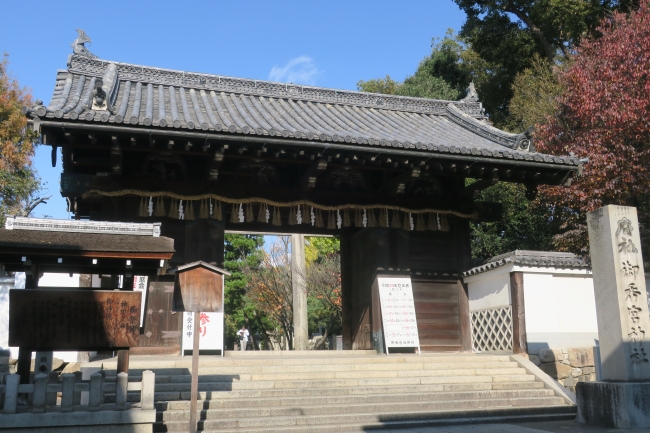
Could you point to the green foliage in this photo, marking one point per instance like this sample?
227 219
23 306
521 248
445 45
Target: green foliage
240 252
318 247
18 180
386 86
535 93
507 34
442 75
525 225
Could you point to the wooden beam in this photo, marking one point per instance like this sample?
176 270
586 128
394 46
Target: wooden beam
519 339
307 181
116 156
215 165
398 184
474 189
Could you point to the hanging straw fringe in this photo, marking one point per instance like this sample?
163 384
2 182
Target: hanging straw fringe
189 211
372 220
331 220
383 218
142 211
444 225
433 222
159 209
407 222
261 217
420 224
319 219
234 214
396 221
346 219
173 209
203 210
358 218
277 219
217 213
250 217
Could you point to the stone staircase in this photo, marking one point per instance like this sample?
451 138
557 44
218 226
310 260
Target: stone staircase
344 391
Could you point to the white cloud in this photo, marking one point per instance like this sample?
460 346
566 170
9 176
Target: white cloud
301 70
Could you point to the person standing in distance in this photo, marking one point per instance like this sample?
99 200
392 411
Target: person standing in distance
243 337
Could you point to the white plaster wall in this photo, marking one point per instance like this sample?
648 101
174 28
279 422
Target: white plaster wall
489 289
6 284
59 280
560 310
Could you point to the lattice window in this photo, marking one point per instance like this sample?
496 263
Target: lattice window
492 329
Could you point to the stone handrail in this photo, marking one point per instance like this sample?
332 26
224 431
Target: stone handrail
43 392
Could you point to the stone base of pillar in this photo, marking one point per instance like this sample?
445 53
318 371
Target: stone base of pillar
614 404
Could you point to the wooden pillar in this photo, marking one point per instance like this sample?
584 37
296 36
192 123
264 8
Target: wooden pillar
519 340
123 361
346 288
194 387
24 363
464 318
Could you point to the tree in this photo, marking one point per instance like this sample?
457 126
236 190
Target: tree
324 286
442 75
18 180
603 116
528 225
269 288
241 252
535 93
508 34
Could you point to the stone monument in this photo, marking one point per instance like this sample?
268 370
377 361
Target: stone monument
622 398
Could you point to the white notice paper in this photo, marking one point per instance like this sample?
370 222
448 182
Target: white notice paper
398 313
210 328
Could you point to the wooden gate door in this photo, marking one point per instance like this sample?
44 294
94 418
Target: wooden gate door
162 326
438 315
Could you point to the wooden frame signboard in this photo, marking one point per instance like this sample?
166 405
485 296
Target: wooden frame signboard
56 319
398 313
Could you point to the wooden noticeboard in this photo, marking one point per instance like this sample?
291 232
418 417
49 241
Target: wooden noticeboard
398 312
54 319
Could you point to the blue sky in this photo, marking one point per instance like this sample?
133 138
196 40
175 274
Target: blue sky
322 43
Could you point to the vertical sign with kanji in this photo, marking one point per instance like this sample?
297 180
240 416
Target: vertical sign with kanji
140 285
398 313
210 331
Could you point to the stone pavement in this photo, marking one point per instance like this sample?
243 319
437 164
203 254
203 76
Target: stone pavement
529 427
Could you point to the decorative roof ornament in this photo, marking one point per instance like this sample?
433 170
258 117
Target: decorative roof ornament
525 141
471 95
78 46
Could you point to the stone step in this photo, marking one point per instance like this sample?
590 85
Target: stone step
360 390
323 375
238 402
163 373
439 421
186 363
228 385
374 408
311 422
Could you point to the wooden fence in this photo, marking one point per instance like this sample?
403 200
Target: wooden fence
41 396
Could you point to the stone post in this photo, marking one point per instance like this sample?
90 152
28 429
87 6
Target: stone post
621 398
299 286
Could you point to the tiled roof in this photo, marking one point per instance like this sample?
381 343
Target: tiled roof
19 239
155 98
530 258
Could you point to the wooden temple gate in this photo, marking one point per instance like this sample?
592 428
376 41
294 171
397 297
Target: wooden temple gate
205 153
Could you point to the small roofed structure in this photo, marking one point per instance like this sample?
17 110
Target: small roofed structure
532 300
199 288
54 318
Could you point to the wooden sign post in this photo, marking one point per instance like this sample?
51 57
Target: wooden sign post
198 288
